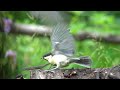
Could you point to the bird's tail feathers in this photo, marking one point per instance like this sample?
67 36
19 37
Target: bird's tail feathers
83 61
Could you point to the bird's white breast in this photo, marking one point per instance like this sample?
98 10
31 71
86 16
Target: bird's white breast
59 59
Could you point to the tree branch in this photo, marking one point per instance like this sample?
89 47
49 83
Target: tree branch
109 38
29 29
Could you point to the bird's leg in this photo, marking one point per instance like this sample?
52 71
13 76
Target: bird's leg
52 70
50 66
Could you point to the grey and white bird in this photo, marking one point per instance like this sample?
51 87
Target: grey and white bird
63 49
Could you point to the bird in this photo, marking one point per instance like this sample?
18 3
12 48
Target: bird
63 49
62 41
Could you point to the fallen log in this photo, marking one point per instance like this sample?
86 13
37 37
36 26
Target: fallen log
86 73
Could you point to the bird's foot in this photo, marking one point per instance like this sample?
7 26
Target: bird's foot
51 70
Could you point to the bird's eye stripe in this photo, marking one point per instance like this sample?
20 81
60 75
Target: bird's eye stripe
47 54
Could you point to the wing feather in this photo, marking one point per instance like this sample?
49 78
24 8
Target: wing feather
62 40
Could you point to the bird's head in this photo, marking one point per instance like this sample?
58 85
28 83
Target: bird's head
47 56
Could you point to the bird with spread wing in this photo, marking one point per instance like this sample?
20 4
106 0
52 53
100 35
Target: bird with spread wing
63 48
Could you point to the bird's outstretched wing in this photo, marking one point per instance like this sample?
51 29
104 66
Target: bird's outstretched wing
62 40
48 17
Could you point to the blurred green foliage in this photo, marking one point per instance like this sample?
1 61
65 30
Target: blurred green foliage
30 49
